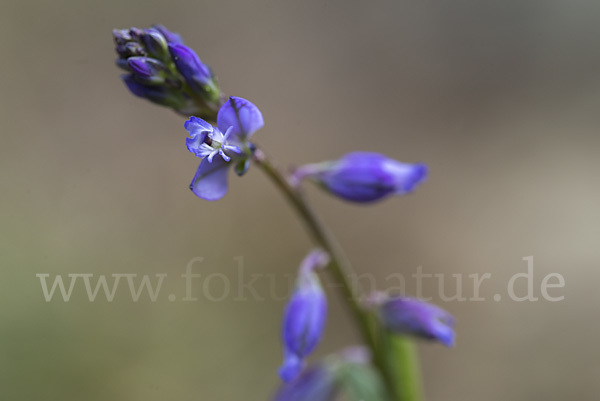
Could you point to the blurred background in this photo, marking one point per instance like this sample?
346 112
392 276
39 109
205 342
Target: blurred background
500 99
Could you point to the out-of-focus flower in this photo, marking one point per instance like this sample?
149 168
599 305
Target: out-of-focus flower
349 372
165 71
305 316
237 120
317 383
364 176
405 315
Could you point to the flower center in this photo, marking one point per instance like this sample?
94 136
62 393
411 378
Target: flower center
216 143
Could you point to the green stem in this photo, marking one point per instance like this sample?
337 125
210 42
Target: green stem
405 365
341 271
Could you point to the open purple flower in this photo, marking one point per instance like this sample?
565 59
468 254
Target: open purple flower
219 147
407 315
304 318
365 176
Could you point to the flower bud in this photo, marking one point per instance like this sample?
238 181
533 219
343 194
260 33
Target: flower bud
197 74
121 36
305 316
136 33
365 177
155 44
171 37
405 315
130 49
147 70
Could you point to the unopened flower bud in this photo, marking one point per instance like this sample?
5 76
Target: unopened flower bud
155 44
305 317
171 37
197 74
148 70
364 177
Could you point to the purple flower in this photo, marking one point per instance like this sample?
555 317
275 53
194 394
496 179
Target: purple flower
304 317
317 383
237 120
365 177
407 315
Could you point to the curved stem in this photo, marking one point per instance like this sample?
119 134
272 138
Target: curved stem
338 264
339 267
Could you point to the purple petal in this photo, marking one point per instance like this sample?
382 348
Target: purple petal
242 115
196 126
211 179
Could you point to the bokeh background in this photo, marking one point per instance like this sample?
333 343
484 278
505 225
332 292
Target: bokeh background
500 98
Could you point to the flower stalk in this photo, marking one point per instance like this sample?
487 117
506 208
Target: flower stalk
161 69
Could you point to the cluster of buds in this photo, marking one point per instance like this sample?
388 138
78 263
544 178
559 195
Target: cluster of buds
165 71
